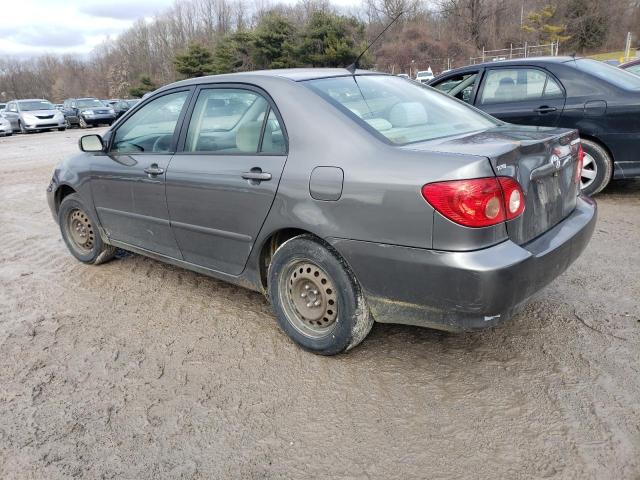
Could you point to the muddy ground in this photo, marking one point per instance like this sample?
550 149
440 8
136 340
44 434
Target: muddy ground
138 370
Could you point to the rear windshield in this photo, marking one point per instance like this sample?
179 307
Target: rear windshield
611 74
402 112
32 105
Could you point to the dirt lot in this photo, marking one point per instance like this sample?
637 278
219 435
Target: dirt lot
137 370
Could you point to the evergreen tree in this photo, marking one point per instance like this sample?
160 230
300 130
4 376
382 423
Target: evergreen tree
275 42
234 53
330 40
196 62
538 23
145 86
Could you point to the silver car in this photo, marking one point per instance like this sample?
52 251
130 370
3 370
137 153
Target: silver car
33 115
5 126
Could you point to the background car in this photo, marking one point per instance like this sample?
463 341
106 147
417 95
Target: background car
33 115
601 101
5 126
424 76
399 204
87 112
122 106
632 66
2 106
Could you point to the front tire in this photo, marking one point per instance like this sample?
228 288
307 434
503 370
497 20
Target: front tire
82 123
62 129
316 297
21 127
597 168
79 230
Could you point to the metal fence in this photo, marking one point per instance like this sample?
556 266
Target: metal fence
516 52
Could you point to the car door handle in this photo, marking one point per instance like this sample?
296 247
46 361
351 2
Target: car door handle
154 170
545 109
257 175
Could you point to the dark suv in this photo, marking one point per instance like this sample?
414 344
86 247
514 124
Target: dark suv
87 112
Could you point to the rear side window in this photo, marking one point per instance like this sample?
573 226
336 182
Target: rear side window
518 85
233 121
401 112
634 69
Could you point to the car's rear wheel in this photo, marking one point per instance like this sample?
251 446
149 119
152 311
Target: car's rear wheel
316 297
80 232
597 168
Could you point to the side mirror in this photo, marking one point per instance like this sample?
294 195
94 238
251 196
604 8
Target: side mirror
91 143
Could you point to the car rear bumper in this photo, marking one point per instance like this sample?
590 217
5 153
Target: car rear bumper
460 291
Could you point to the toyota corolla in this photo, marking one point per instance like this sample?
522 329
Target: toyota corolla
345 198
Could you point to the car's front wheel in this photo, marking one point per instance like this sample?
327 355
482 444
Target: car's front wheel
316 297
80 232
82 123
597 168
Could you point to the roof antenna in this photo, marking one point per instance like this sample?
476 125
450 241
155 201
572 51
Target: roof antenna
354 66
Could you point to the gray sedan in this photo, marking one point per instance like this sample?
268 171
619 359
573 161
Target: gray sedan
33 115
346 199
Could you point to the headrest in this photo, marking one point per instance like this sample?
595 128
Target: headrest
248 136
408 114
507 81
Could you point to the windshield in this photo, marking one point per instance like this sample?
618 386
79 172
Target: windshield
400 111
31 105
90 103
611 74
424 74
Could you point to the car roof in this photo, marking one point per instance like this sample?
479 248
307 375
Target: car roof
32 100
292 74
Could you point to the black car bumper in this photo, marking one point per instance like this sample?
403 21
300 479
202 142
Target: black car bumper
99 119
459 291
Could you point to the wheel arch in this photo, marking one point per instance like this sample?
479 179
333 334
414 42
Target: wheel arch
63 190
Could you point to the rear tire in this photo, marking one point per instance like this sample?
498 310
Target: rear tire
316 297
597 168
79 230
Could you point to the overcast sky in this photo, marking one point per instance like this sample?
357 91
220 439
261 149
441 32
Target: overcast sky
33 27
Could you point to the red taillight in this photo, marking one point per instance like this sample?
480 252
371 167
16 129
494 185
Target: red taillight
579 163
513 197
479 202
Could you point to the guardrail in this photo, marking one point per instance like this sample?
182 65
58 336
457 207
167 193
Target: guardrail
516 52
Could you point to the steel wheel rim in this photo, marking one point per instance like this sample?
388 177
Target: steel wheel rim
589 171
309 298
80 230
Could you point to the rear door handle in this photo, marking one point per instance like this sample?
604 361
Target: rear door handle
545 109
256 175
154 170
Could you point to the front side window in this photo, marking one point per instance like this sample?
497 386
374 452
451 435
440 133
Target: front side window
460 86
150 129
399 111
233 121
518 85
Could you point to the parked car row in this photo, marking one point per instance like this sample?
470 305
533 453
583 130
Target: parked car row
600 100
33 115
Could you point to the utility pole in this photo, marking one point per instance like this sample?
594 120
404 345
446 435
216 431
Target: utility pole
627 47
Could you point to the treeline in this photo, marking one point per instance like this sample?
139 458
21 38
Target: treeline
197 37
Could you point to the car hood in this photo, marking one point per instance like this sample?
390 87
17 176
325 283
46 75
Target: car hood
40 112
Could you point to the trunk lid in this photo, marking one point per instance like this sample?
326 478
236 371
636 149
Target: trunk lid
543 161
